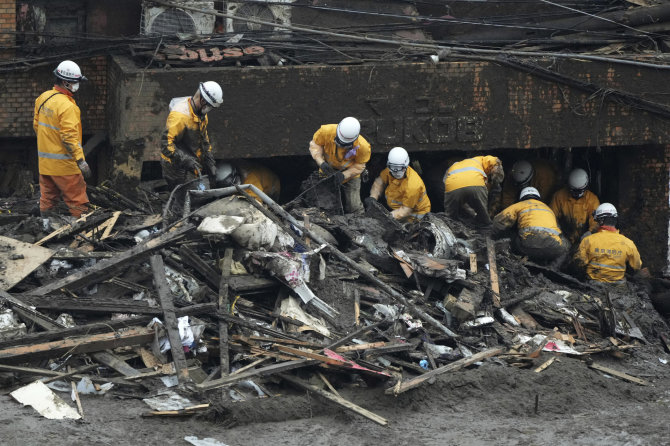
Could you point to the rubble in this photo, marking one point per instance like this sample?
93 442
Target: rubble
186 308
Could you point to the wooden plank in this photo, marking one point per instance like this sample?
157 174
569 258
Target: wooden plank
192 410
25 311
80 344
335 399
63 229
328 384
249 366
169 318
545 365
263 371
76 395
493 270
212 277
357 307
356 347
473 263
114 362
224 308
312 355
457 365
618 374
110 267
19 260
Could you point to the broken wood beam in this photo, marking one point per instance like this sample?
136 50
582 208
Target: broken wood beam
114 362
224 308
211 276
112 266
452 367
255 373
169 318
25 311
79 344
618 374
493 270
335 399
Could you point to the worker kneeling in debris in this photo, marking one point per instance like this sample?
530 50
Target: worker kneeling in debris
341 152
538 235
185 146
57 123
246 172
403 188
465 184
604 254
574 206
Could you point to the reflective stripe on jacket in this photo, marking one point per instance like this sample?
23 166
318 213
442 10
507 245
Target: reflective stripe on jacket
184 131
605 254
408 191
57 123
575 215
261 177
339 157
531 217
469 172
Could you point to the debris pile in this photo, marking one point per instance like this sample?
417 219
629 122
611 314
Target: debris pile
221 291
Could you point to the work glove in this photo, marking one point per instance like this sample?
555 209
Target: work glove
191 164
369 202
338 178
83 167
211 167
326 168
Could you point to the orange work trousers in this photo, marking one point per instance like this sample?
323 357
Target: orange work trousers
72 188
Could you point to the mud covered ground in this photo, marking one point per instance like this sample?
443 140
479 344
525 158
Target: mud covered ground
491 404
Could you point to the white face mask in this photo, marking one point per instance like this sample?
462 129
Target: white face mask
206 109
398 174
74 87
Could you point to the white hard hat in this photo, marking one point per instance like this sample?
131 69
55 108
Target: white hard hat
211 92
529 192
69 71
522 172
347 131
398 158
605 210
578 179
226 174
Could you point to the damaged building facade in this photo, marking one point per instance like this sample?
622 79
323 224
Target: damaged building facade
602 114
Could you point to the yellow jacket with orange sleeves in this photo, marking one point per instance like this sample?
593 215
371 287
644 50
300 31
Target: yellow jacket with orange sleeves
605 254
185 133
575 215
470 172
57 123
530 216
261 177
544 179
409 192
338 157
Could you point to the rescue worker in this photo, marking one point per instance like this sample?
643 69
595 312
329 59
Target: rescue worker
247 172
538 173
604 254
465 184
402 186
538 235
574 205
57 123
185 146
341 151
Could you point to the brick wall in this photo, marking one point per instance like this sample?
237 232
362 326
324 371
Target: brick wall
7 28
643 201
19 89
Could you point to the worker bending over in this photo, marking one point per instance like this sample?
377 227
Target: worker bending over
247 172
185 148
403 188
538 235
340 151
465 184
604 255
538 173
574 206
57 124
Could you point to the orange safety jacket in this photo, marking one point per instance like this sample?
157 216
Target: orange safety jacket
470 172
57 123
185 133
409 191
575 215
531 217
605 254
261 177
